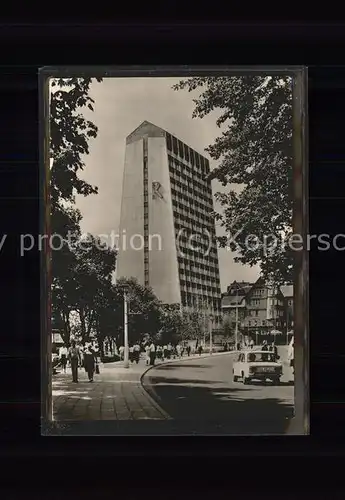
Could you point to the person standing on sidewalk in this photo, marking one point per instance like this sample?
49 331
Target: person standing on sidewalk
75 360
152 353
136 352
188 350
147 354
179 350
89 361
63 353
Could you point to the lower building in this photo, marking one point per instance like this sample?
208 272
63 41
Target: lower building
260 310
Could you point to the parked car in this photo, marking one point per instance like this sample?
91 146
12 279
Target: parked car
257 365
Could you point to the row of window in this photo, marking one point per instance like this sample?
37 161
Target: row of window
195 228
192 207
181 170
203 265
186 179
189 252
182 219
186 275
199 286
193 300
187 153
187 203
198 188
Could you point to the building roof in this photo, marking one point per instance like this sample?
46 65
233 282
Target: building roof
287 290
149 129
145 128
229 300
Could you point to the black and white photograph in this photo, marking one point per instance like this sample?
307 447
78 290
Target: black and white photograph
173 252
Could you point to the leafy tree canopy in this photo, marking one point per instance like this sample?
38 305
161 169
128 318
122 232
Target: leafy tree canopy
255 154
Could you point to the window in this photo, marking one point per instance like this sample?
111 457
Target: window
180 149
192 157
175 145
169 145
186 152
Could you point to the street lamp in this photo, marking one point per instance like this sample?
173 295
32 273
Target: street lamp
211 332
125 290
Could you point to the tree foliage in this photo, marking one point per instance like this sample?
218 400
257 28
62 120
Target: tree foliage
70 133
254 151
144 309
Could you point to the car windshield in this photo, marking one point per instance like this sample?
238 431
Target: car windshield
258 357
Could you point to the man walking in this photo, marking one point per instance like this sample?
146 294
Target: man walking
75 360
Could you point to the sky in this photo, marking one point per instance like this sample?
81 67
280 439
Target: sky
121 105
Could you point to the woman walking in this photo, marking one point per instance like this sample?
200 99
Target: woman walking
89 361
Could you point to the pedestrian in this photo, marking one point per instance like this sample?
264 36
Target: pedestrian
159 352
152 353
136 352
122 352
75 360
264 348
169 349
165 351
131 353
89 361
178 350
147 354
200 349
251 344
188 350
63 353
274 350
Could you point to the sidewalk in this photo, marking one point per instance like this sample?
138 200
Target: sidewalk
115 394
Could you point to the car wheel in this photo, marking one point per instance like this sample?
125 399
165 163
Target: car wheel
276 381
245 380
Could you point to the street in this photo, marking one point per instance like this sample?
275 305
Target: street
202 390
196 395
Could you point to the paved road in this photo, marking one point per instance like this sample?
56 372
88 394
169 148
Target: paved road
202 390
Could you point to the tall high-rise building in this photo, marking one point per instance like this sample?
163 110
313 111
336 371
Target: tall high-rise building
167 229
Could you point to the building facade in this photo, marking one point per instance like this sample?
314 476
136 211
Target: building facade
166 216
261 310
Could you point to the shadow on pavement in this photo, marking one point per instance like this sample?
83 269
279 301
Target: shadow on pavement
219 409
177 381
174 366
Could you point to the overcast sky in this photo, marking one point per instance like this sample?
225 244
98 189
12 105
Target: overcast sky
121 104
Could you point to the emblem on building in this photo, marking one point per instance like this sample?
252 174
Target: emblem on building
157 190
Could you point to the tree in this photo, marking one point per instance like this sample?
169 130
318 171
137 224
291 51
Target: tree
92 275
144 312
255 153
70 133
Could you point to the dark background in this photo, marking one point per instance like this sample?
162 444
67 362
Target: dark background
24 50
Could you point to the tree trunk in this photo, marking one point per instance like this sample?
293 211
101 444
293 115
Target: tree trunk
82 326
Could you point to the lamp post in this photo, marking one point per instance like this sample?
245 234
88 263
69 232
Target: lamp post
211 332
125 290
